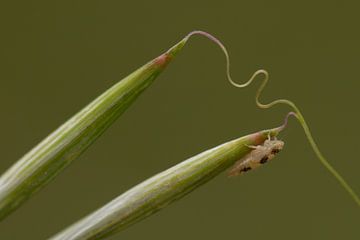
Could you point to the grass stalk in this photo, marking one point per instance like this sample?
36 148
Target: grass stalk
33 171
160 190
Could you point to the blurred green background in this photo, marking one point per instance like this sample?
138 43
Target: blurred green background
56 56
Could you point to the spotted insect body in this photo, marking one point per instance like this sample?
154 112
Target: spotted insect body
257 157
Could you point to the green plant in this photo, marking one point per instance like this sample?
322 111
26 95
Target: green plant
160 190
39 166
57 151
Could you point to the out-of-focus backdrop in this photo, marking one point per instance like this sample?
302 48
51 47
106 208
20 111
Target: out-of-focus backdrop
57 56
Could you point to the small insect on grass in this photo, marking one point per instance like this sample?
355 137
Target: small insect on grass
261 154
256 158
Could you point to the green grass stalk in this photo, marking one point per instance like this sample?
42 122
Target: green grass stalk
162 189
33 171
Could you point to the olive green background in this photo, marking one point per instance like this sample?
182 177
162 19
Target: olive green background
56 56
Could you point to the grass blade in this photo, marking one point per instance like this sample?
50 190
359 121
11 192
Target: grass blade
58 150
160 190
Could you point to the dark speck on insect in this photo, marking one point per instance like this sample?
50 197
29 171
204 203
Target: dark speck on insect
274 151
264 160
245 169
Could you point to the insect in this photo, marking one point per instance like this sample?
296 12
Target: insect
259 156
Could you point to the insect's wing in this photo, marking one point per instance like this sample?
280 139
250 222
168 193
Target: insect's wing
250 161
236 169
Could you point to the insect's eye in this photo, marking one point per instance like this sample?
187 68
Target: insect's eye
275 150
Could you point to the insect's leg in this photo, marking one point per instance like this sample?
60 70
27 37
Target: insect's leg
251 146
269 136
